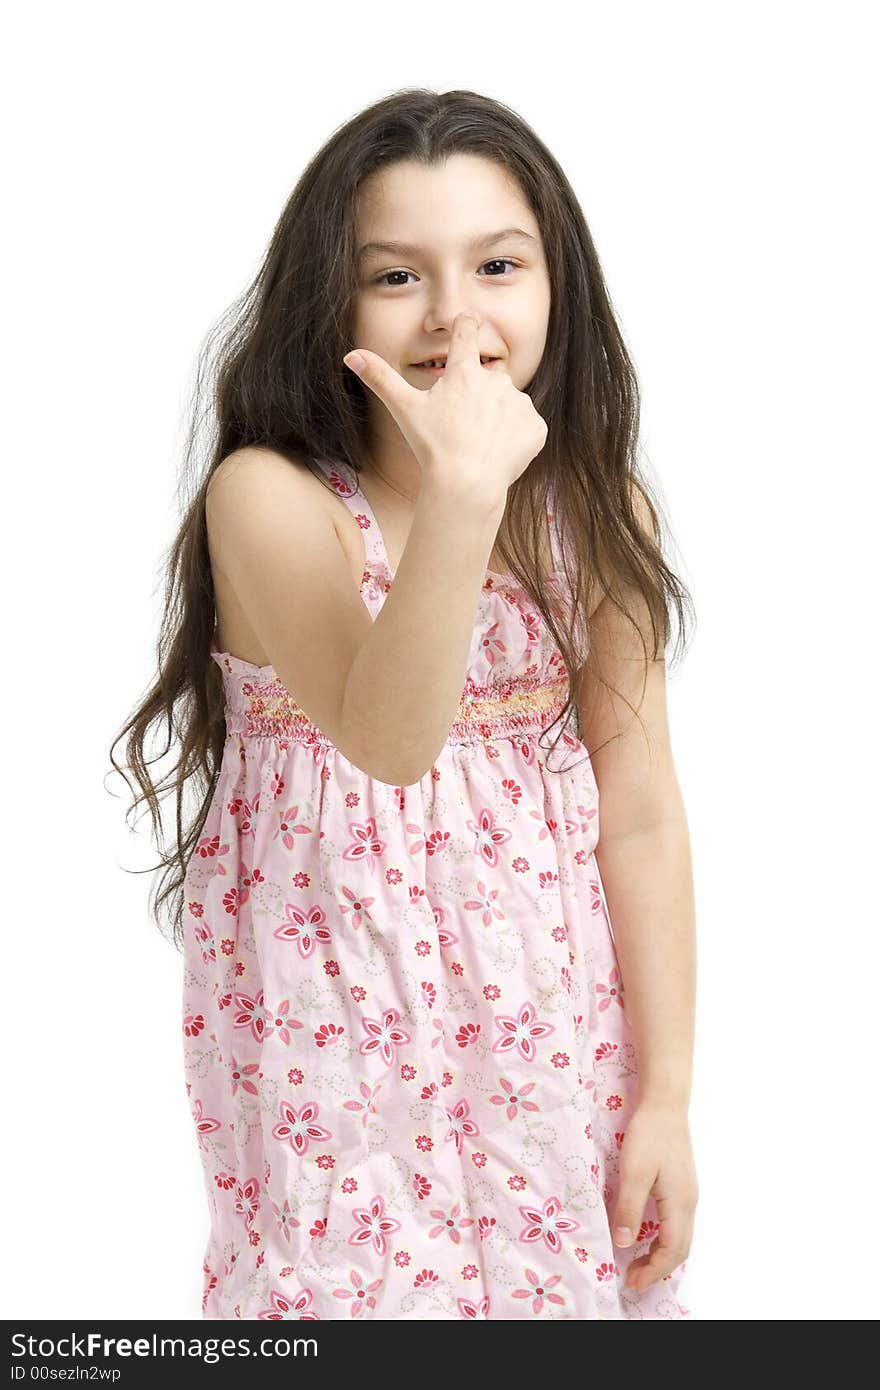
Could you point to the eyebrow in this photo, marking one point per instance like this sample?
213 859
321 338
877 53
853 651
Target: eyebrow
404 248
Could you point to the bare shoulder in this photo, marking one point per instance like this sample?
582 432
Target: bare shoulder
286 599
259 472
257 460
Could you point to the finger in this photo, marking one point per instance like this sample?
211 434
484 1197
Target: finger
464 345
631 1198
382 379
666 1253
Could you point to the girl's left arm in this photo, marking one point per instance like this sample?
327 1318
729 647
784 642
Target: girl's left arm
644 859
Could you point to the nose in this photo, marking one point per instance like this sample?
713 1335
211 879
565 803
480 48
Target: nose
442 315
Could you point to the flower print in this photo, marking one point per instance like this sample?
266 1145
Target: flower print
422 1186
328 1033
545 827
284 1218
451 1225
300 1127
209 847
303 928
193 1024
437 840
547 1223
248 811
383 1035
612 992
206 942
240 1075
488 837
468 1033
416 846
485 904
468 1309
490 645
299 1307
514 1099
367 1106
606 1272
232 900
247 1200
204 1124
358 906
253 1014
289 825
520 1033
282 1024
459 1124
540 1289
367 847
512 789
372 1225
361 1294
424 1279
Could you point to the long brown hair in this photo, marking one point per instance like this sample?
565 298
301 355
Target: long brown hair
276 376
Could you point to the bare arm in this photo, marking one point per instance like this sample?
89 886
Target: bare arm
384 693
643 851
648 883
405 683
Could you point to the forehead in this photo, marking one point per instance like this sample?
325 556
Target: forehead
444 205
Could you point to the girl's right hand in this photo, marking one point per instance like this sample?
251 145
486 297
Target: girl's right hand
473 430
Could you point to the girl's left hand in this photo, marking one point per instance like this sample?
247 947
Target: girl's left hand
656 1159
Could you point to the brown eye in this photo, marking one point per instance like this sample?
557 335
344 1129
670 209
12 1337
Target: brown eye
497 260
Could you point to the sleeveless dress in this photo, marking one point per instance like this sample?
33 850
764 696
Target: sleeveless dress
406 1048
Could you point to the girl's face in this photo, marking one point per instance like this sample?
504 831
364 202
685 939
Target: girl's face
409 294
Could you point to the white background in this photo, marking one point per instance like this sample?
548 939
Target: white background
722 155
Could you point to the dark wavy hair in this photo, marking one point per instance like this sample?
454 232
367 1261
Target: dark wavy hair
274 366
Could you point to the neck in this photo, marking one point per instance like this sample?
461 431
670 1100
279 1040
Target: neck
395 467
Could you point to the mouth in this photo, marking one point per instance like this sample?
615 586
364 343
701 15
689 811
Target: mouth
438 364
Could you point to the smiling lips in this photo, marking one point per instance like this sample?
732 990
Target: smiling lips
437 364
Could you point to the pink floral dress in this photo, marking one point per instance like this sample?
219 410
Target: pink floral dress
406 1046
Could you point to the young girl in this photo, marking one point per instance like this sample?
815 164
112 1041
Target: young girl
425 1080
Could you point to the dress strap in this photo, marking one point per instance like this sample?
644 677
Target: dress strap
343 479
